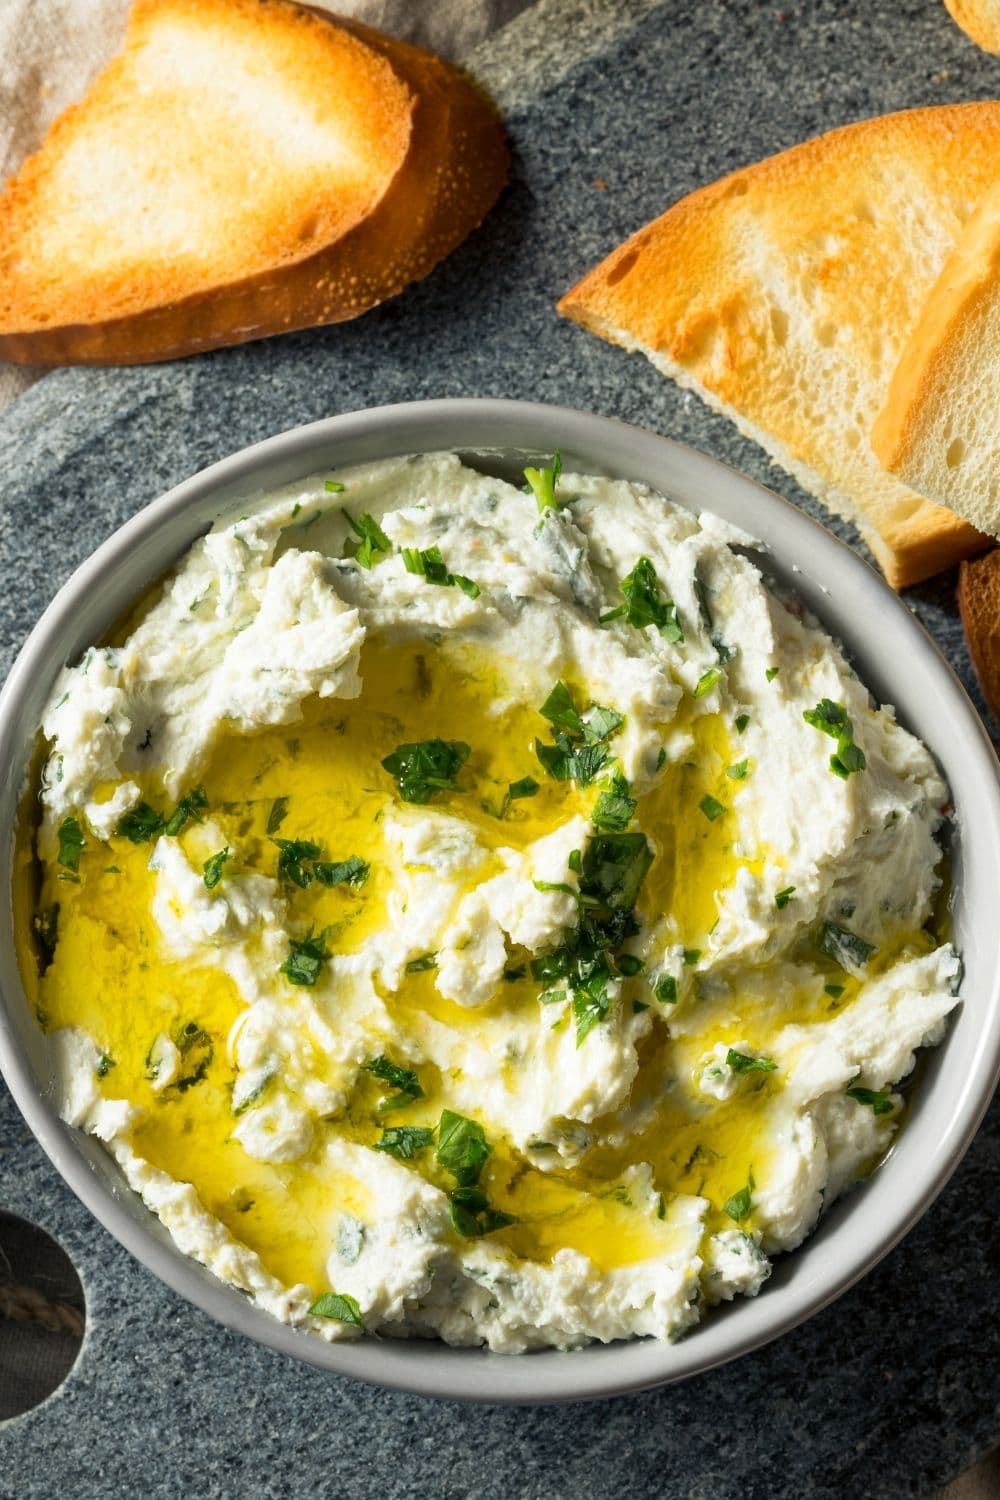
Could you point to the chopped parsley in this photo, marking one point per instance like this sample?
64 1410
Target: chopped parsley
338 1305
644 605
877 1100
666 989
104 1065
306 957
212 868
742 1062
844 947
742 720
701 595
46 925
333 486
426 767
739 771
711 808
612 870
195 1047
463 1149
833 990
422 964
188 809
517 790
630 964
373 540
353 871
71 843
543 483
707 681
579 752
614 808
404 1141
472 1216
772 673
832 719
255 1095
140 824
277 815
294 859
404 1080
782 898
740 1205
691 956
429 563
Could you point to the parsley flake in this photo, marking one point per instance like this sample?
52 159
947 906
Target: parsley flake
277 815
71 843
338 1305
426 767
306 957
472 1216
543 483
877 1100
782 898
743 1062
463 1149
739 771
212 868
373 540
140 824
845 947
644 604
404 1141
832 719
666 989
707 681
711 808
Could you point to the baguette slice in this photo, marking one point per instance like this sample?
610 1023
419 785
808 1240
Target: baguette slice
783 293
979 19
242 168
979 604
939 429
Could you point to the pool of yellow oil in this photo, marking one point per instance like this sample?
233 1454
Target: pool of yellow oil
321 779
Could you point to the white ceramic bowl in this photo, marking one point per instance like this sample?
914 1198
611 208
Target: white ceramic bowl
894 658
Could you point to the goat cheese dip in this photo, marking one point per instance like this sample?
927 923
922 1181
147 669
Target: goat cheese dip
482 912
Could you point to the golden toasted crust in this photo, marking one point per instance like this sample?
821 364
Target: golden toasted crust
939 429
331 167
979 603
980 19
782 295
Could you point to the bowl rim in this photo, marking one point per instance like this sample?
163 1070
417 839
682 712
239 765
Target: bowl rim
799 549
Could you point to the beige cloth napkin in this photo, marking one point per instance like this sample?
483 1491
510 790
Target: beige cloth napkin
50 50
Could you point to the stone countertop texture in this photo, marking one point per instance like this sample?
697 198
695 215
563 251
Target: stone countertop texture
614 111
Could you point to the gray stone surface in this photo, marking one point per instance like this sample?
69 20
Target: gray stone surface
892 1390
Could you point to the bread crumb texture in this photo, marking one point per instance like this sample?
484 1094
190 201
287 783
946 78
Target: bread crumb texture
242 167
939 430
783 295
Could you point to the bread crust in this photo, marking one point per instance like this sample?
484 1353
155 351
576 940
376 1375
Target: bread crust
451 169
979 19
929 391
694 290
979 606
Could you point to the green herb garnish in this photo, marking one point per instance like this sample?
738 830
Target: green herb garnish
337 1305
707 681
832 719
306 957
740 1205
140 824
463 1149
833 990
195 1047
277 815
711 808
472 1216
429 564
333 486
255 1095
543 483
614 808
404 1141
188 809
644 605
426 767
580 752
404 1080
771 673
739 771
353 871
691 956
782 898
879 1101
526 787
666 989
104 1065
71 843
742 720
373 540
742 1062
422 964
212 868
294 859
845 947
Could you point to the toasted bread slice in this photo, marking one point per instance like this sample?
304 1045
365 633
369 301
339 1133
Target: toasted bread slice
783 293
242 168
979 603
939 429
980 19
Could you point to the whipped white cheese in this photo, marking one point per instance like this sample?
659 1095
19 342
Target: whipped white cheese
660 930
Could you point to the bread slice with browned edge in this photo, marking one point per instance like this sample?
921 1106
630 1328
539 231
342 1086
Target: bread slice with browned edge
980 19
939 429
979 603
242 168
783 295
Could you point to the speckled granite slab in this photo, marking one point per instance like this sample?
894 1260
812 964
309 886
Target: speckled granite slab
892 1390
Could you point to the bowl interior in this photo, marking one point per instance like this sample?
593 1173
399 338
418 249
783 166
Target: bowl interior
892 655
